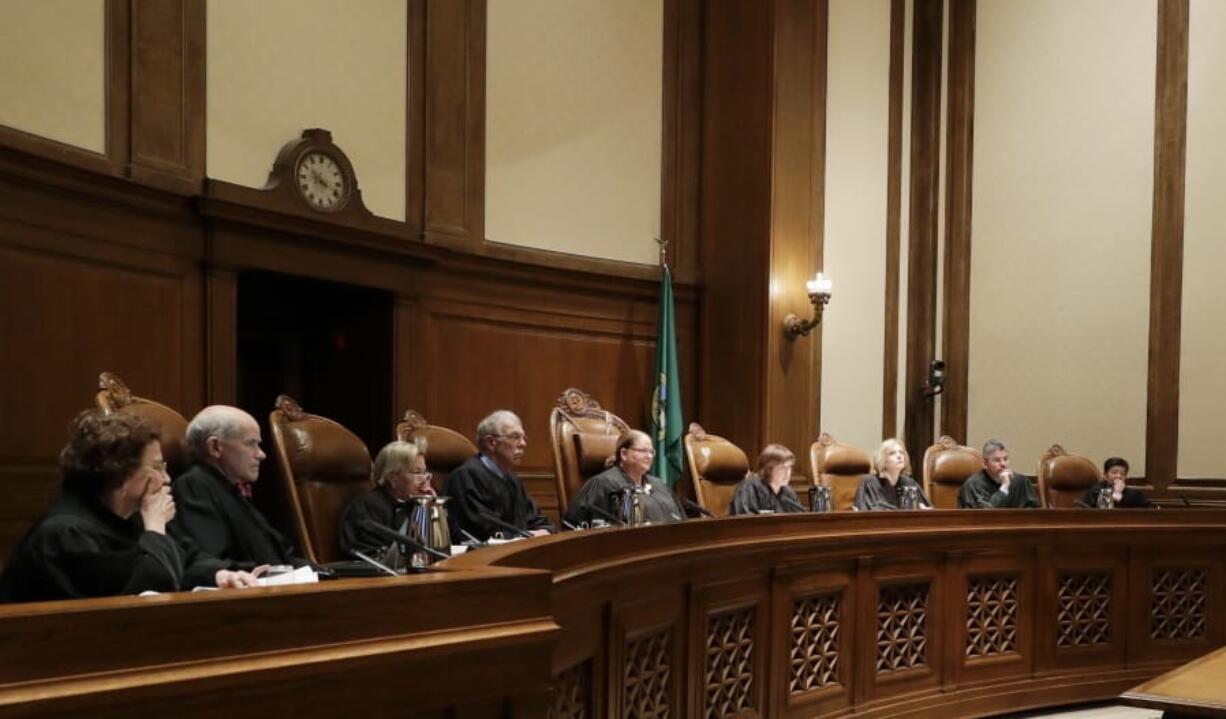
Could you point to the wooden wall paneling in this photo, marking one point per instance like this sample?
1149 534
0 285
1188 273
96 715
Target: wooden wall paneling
1166 256
118 85
813 623
793 368
167 94
893 222
408 378
455 122
922 253
415 117
959 150
221 323
736 216
681 142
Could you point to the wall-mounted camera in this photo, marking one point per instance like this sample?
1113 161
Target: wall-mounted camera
936 378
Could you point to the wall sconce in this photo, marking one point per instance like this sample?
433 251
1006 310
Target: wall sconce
819 294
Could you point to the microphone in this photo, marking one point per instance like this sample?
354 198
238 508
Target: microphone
392 535
605 515
504 525
1081 504
696 507
471 539
788 500
378 564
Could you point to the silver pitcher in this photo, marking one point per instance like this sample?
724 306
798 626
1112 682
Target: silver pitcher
429 526
630 506
908 497
819 498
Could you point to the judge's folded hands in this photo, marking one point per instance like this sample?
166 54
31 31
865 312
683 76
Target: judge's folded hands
230 579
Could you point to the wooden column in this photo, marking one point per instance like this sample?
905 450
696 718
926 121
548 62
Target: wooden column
763 161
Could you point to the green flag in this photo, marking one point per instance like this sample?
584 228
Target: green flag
666 427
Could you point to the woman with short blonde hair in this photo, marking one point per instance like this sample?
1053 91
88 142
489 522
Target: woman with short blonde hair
628 468
400 474
886 488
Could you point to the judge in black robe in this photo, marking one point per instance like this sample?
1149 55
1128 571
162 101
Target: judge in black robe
106 535
884 489
213 496
983 489
485 485
221 521
604 493
1115 472
766 490
400 474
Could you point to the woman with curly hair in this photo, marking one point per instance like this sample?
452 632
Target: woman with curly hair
106 535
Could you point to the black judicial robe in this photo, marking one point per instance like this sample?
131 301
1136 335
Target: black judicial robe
378 505
210 511
82 549
752 496
659 505
876 493
475 490
1129 499
982 492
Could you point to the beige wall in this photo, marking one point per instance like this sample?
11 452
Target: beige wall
277 67
1063 189
573 126
1202 386
53 78
857 130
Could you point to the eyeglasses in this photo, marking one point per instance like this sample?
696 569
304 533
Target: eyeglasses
646 450
513 436
423 477
158 466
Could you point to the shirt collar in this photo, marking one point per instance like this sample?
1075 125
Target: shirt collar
491 466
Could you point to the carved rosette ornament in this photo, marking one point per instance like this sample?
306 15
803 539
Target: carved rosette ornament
575 404
647 675
1178 605
698 433
413 420
991 616
814 653
729 663
902 627
1083 610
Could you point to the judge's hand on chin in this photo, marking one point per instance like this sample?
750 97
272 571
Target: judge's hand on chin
1006 476
227 579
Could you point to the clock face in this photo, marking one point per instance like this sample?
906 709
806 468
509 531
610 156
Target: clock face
321 182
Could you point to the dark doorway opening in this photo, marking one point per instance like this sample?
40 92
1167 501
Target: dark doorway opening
328 346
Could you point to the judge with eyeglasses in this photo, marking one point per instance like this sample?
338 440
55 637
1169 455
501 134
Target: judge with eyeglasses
400 474
487 498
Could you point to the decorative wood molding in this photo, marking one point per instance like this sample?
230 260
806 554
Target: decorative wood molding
290 408
893 222
1052 452
959 164
115 392
922 253
414 421
1166 255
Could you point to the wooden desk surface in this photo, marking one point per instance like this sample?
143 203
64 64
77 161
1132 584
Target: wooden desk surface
1198 688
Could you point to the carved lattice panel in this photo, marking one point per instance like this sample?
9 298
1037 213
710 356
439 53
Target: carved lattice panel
729 662
991 616
815 642
1083 615
1177 604
902 627
647 676
571 693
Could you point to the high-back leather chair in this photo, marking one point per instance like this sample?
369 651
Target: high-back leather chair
716 466
114 397
445 448
1064 477
322 466
947 465
840 467
584 436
